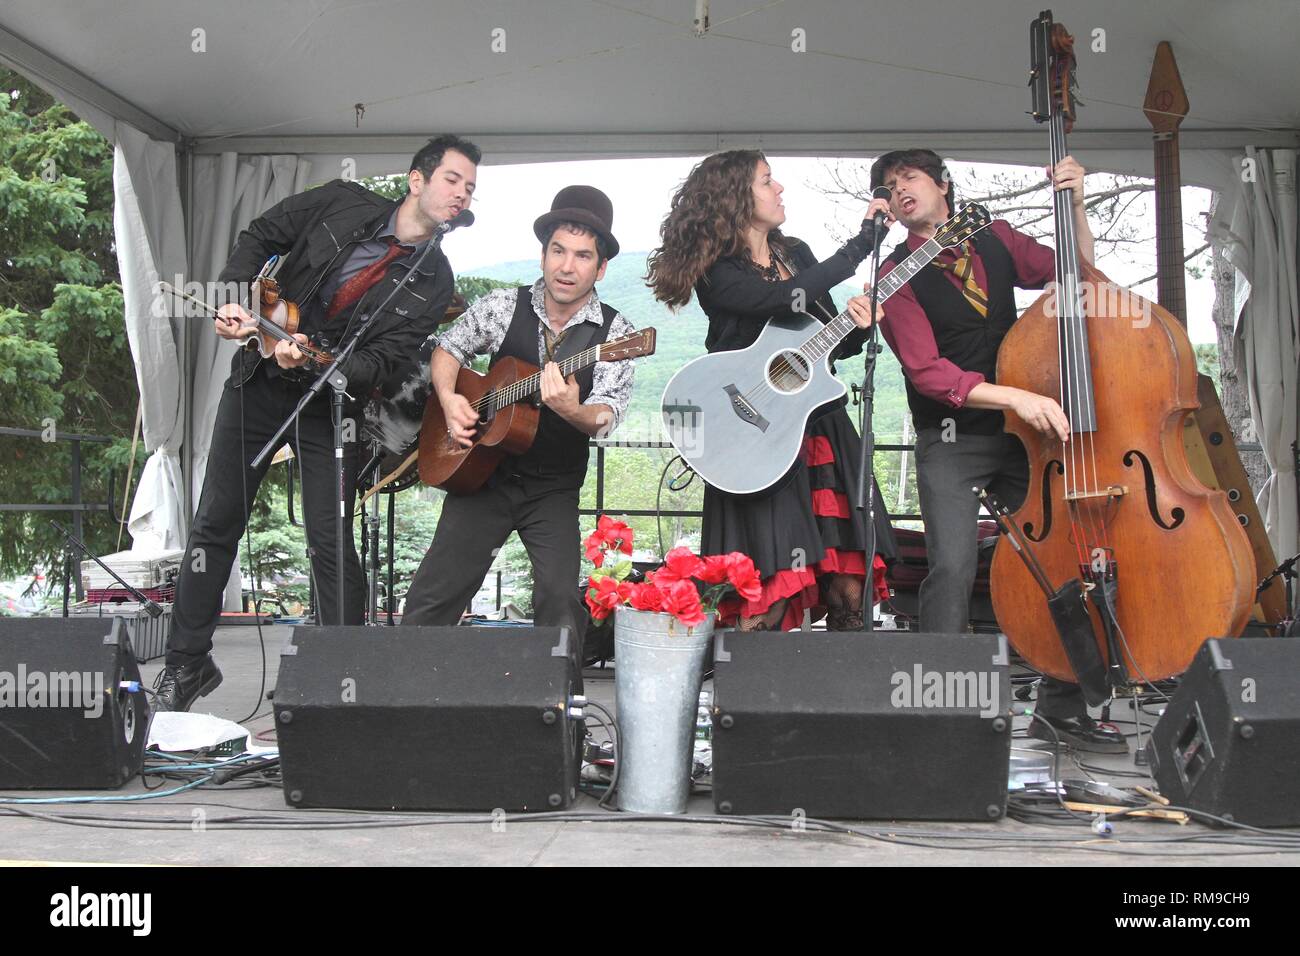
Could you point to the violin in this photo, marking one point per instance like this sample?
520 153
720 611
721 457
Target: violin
1161 560
275 318
277 321
277 313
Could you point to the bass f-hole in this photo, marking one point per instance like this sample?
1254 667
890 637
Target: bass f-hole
1148 482
1046 485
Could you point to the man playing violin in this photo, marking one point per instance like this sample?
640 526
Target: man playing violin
349 257
535 493
945 326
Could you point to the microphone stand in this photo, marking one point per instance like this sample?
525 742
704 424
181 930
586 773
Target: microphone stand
369 477
866 500
333 376
150 606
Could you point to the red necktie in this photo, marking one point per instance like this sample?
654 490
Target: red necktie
352 290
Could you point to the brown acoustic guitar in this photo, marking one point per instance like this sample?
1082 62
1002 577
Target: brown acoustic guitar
507 422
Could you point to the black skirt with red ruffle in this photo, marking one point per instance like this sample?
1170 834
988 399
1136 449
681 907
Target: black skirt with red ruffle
804 530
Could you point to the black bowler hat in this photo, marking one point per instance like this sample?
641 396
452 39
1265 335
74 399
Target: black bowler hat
585 205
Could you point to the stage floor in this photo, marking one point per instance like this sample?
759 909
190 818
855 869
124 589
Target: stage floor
197 827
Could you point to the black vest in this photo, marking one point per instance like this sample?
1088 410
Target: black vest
964 337
559 453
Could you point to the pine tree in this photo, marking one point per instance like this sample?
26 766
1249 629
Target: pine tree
65 365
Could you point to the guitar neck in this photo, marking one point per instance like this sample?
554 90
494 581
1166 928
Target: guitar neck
834 332
527 387
1171 287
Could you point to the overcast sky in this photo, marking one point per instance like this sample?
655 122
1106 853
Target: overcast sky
509 198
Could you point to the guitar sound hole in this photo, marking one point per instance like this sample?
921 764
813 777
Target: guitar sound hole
789 371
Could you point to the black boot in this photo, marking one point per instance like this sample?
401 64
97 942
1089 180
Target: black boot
844 619
1081 733
178 687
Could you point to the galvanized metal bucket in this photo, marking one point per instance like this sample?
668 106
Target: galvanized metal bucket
658 669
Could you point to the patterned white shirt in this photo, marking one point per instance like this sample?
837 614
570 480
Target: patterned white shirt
482 330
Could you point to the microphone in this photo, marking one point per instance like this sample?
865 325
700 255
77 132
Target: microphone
880 192
873 230
462 218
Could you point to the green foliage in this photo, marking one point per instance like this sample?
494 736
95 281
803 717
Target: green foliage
392 186
279 547
416 515
474 288
29 371
64 357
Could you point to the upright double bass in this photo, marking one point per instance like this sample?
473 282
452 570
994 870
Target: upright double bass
1162 560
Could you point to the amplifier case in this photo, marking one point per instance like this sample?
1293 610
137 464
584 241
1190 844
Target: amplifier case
427 718
854 725
1228 742
66 722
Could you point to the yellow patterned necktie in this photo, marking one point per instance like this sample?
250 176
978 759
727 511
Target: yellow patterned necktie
964 269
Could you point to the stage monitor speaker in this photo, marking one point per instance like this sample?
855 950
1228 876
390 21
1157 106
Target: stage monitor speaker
862 726
1228 742
66 721
428 718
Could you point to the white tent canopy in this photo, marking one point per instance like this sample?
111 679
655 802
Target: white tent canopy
256 101
592 78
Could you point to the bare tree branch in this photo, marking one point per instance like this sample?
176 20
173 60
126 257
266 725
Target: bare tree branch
1023 196
1186 259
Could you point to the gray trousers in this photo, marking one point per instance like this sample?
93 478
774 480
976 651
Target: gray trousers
471 530
946 471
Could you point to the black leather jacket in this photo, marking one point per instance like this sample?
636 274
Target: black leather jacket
315 231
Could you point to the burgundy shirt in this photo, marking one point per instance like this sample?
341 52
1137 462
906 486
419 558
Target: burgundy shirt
910 335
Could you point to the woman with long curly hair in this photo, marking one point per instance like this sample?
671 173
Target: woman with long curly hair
722 241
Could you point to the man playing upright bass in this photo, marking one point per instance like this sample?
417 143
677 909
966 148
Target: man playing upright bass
945 326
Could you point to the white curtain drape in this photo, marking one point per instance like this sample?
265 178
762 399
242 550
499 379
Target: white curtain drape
150 231
229 192
1261 244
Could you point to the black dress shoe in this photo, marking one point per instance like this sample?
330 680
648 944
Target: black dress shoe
178 687
1081 733
844 619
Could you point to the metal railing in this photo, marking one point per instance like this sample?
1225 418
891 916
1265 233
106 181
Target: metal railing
76 507
602 444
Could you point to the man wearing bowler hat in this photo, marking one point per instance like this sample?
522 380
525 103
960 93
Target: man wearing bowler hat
535 493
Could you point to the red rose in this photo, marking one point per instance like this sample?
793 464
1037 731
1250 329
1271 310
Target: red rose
744 576
646 597
609 533
621 535
680 564
595 549
615 533
604 594
682 601
715 569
